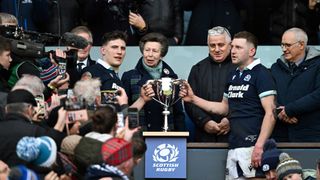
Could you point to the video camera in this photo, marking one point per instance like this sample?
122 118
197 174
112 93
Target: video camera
31 44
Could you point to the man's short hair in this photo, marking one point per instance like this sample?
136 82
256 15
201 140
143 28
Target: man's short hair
82 29
219 30
300 34
155 37
19 108
109 36
6 18
251 38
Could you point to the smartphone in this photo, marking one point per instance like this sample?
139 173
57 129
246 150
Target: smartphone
76 115
108 96
62 68
41 106
278 110
133 116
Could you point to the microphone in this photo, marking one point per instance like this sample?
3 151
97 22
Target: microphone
73 40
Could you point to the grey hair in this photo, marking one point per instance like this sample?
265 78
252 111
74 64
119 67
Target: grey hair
6 18
20 108
87 90
219 30
31 83
82 29
300 34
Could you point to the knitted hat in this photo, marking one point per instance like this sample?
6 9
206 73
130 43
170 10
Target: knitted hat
287 166
41 151
21 96
270 156
48 74
22 173
116 151
69 143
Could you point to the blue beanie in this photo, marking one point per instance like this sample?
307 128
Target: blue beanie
22 173
41 151
270 156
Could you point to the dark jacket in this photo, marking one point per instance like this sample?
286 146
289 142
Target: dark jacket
207 79
106 16
16 126
56 17
3 102
207 14
299 92
163 16
74 74
151 117
293 13
109 79
4 76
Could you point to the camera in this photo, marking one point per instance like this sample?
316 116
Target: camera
108 96
62 67
31 44
76 110
41 106
133 116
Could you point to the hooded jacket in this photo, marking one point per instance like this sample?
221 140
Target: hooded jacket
299 91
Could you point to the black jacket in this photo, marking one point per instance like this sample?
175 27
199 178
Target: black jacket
106 16
293 13
4 76
16 126
207 79
74 74
56 17
163 16
207 14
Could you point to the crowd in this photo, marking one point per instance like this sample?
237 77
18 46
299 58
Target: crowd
55 122
267 19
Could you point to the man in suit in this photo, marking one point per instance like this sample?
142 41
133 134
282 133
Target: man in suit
83 56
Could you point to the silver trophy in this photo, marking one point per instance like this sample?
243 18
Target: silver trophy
165 94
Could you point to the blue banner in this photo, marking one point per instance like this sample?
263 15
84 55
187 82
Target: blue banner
166 158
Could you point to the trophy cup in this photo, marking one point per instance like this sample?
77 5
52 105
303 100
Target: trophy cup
165 90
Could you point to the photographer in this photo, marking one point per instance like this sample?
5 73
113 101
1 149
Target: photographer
113 15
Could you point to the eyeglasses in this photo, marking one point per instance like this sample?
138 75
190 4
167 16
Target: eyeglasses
287 45
218 31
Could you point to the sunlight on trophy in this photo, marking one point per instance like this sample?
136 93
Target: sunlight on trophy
165 90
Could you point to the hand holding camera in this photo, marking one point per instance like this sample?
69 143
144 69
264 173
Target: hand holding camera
109 96
76 110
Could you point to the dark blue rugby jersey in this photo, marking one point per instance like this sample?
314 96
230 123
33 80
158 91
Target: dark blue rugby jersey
109 79
245 109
